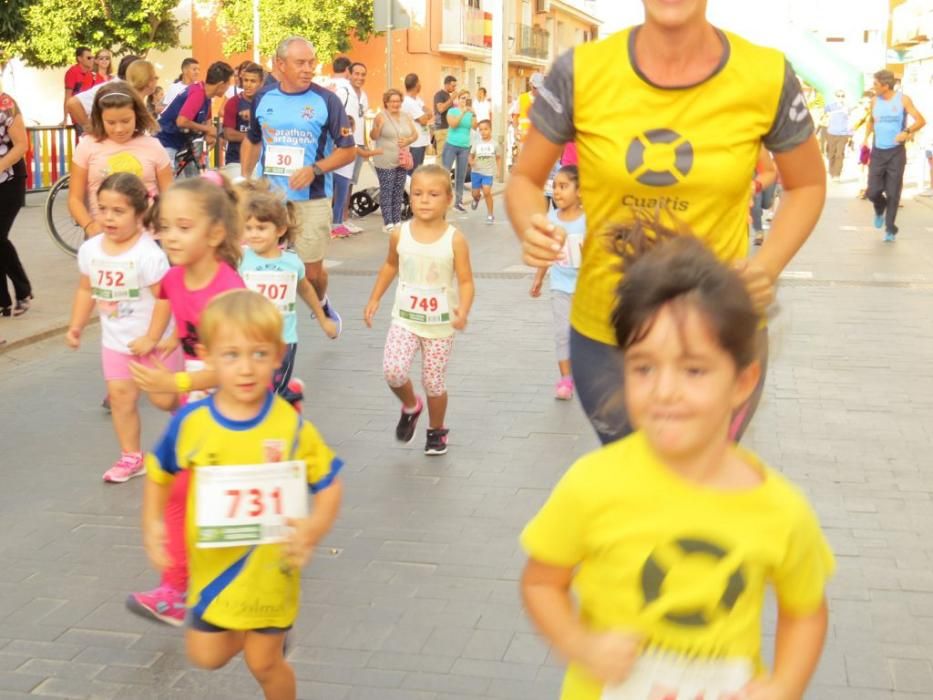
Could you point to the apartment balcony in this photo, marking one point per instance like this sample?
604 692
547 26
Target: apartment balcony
466 31
530 45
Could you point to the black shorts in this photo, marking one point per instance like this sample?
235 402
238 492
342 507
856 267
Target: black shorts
196 622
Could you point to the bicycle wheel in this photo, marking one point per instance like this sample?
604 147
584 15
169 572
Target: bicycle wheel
62 227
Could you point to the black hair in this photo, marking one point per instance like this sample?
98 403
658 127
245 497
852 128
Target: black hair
341 64
190 62
219 72
411 81
450 79
572 172
664 267
124 64
80 51
357 63
131 187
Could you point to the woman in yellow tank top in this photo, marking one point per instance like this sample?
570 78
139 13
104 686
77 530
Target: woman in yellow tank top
668 118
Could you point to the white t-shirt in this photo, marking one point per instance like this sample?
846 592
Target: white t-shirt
347 96
131 273
359 133
173 91
482 110
414 108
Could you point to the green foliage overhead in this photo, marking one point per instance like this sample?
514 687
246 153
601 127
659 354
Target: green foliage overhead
45 33
329 24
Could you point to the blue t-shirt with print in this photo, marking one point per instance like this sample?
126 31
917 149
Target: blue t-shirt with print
312 120
286 262
563 275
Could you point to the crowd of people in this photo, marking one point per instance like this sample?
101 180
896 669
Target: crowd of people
659 319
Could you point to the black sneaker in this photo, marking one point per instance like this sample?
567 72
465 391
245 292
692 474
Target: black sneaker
405 430
437 441
474 204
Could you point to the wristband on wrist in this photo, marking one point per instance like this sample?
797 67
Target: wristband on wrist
183 382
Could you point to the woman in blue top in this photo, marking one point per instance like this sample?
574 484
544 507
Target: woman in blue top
460 120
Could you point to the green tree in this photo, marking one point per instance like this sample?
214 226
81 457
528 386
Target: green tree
329 24
45 33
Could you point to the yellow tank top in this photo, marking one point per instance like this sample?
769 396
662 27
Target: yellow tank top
689 151
525 100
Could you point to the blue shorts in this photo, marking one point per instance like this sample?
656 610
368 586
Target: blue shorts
196 622
480 180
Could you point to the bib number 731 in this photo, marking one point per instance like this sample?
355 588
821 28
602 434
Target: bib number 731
247 504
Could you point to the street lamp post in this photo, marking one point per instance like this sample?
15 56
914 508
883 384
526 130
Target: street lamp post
255 31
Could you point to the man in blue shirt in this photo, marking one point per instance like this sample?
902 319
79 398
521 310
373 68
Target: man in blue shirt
190 112
838 133
298 134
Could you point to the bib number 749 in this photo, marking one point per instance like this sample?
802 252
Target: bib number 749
423 303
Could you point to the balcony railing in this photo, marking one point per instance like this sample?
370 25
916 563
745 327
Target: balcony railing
466 26
531 41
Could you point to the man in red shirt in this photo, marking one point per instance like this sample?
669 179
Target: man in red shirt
79 77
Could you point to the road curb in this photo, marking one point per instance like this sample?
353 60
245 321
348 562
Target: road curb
39 336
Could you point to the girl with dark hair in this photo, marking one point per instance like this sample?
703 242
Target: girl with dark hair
627 521
121 274
118 141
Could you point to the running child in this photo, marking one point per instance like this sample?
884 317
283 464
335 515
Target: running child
199 224
568 214
485 161
269 268
245 569
432 301
669 536
121 272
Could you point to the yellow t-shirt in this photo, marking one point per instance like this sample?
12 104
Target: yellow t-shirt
683 566
240 588
689 152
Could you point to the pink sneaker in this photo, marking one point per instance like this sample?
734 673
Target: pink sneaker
129 465
340 231
296 388
564 389
164 604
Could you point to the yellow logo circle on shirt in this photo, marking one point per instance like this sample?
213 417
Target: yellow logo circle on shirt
124 162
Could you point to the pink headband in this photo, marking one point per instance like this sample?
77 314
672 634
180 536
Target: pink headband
215 177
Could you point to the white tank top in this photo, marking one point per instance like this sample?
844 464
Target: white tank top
427 293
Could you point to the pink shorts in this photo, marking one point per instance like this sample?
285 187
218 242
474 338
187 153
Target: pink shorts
116 364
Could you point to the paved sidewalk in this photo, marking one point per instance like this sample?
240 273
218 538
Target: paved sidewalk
414 596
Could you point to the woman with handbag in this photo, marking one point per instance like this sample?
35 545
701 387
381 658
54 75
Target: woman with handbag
393 133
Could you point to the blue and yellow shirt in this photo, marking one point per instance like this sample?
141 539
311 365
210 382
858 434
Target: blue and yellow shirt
313 120
240 588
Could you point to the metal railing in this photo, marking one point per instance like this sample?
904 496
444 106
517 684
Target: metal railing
531 41
49 155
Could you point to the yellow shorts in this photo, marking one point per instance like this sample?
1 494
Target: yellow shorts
315 215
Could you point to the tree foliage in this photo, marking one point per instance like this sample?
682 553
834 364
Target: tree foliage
45 33
329 24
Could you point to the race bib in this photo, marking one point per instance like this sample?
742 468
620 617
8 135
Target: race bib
247 504
114 280
485 150
281 288
669 677
283 160
573 251
423 304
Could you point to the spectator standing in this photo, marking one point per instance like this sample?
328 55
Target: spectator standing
482 106
443 101
457 147
190 74
393 133
79 77
103 66
236 115
299 133
888 124
79 106
13 145
838 133
420 114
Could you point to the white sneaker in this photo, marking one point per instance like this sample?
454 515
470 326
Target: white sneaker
388 228
352 228
927 192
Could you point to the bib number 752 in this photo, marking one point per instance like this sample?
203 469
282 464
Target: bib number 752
109 278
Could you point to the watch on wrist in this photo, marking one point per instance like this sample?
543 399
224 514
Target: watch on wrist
317 170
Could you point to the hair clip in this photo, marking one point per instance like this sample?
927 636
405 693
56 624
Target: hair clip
215 177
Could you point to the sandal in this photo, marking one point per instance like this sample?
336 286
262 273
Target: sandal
22 306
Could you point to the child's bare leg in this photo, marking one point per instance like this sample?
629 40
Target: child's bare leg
212 650
405 394
164 402
123 398
487 194
265 658
564 367
437 410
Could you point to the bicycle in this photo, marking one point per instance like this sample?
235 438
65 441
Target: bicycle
62 227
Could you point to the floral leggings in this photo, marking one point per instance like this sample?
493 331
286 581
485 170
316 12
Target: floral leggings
401 346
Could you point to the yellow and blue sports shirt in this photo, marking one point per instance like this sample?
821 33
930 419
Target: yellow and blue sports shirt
688 152
245 587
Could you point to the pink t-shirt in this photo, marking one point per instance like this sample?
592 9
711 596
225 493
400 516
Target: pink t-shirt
143 156
187 304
